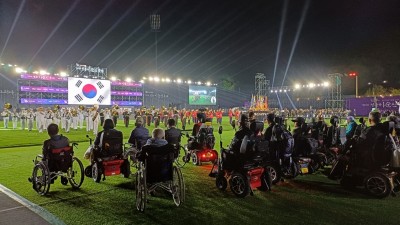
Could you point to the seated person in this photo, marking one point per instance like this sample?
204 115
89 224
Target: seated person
332 135
55 141
193 143
157 139
172 134
360 127
139 135
243 131
109 130
271 123
298 135
351 127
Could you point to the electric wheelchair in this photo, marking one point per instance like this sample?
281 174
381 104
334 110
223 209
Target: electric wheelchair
157 170
109 158
59 162
244 170
374 164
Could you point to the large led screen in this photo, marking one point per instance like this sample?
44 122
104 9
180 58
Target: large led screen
202 95
89 91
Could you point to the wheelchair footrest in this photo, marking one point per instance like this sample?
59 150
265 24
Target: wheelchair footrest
112 167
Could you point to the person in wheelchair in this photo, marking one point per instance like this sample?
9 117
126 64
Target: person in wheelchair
157 139
196 141
172 134
244 130
56 141
139 135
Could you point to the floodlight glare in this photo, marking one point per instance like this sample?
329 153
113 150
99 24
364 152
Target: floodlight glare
63 74
208 83
272 91
199 82
326 84
43 72
19 70
167 80
189 81
297 86
311 85
141 81
113 78
179 81
156 79
128 79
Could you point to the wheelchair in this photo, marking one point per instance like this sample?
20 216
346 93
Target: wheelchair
110 159
246 170
60 162
201 148
157 170
361 166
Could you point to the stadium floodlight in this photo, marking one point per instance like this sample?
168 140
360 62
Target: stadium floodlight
19 70
284 90
156 79
162 79
272 91
141 81
128 79
208 83
326 84
276 91
179 81
167 80
144 78
199 82
189 81
35 72
311 85
63 74
297 86
113 78
43 72
151 78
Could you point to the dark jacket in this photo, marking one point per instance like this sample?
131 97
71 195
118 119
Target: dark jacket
139 136
57 141
268 132
173 136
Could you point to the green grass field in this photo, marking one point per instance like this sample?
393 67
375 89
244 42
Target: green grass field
310 199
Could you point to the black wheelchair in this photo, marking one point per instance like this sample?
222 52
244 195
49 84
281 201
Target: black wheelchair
244 170
109 159
376 166
60 162
157 170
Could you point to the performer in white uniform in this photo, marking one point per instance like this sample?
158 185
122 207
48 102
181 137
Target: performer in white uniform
40 119
22 117
81 116
29 118
14 116
75 118
6 117
95 120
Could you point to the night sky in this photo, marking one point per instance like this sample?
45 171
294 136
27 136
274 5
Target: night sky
208 40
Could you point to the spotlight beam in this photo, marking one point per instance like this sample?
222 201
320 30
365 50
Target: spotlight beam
109 30
291 102
130 35
55 29
279 100
21 6
84 31
281 27
161 38
200 37
299 28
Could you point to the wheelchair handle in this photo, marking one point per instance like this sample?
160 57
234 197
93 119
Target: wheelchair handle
74 144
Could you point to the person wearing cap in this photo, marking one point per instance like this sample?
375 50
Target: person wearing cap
351 127
243 131
139 135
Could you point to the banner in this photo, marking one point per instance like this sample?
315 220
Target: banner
88 91
362 106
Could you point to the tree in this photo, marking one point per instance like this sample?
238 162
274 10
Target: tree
227 83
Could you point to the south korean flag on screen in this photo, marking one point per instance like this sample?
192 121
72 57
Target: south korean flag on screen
83 91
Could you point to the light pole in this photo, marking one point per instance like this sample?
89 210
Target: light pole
155 23
373 94
354 74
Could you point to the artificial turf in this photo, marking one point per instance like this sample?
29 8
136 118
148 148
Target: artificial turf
309 199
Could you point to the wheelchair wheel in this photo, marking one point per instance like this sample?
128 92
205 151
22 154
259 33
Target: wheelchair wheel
239 185
378 185
76 173
96 172
181 161
178 186
41 178
266 181
274 173
141 188
195 159
221 182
